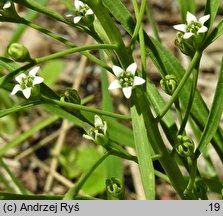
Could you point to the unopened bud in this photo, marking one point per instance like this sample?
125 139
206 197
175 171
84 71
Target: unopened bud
19 52
169 83
115 188
71 96
185 146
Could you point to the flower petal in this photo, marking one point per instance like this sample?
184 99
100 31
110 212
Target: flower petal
7 5
16 88
88 137
78 4
20 77
190 18
27 92
69 14
202 29
127 92
117 70
77 19
132 68
98 121
138 81
203 19
180 27
37 80
188 35
34 71
114 85
89 12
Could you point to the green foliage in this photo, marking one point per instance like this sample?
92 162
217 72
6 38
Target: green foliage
75 161
51 72
149 120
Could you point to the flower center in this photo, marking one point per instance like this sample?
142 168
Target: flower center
27 82
194 27
126 79
82 11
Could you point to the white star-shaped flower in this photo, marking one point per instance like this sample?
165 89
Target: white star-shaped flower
192 26
27 82
81 10
126 79
98 134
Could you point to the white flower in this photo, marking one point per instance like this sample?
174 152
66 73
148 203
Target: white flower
81 10
98 134
27 82
4 6
192 26
7 5
126 79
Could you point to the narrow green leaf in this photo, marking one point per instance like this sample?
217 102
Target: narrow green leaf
188 5
214 115
215 34
157 102
8 64
212 7
121 13
18 108
113 164
27 134
143 148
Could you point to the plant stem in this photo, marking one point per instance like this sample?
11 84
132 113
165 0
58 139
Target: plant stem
139 17
193 173
190 102
88 109
71 194
193 64
74 50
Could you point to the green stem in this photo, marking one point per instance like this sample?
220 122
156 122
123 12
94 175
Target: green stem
139 17
74 50
88 109
72 193
178 110
190 102
194 62
193 173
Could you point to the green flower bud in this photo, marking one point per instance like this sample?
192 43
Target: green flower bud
169 83
185 146
71 96
19 52
115 188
